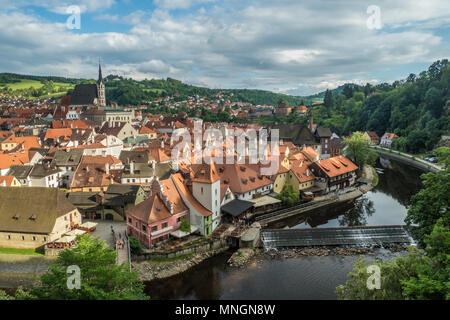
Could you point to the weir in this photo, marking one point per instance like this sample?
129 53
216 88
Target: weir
358 236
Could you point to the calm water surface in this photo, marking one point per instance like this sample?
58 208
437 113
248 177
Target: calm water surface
305 277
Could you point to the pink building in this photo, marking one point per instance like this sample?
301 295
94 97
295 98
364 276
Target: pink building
152 220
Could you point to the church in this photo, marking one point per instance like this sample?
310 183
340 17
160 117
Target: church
89 95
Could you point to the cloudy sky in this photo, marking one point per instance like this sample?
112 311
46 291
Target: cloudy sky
296 47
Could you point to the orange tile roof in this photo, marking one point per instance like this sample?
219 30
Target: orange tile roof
146 130
150 210
28 142
180 184
57 133
100 159
242 178
7 179
7 160
173 195
205 173
336 166
301 170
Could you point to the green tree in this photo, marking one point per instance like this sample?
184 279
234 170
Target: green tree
358 150
391 275
289 195
101 278
417 275
328 101
433 279
432 201
185 225
135 246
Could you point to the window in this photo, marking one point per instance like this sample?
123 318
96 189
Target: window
23 238
202 190
144 228
164 225
136 224
179 219
9 237
129 220
45 238
34 238
154 228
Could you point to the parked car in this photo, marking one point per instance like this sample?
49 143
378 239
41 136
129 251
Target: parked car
431 159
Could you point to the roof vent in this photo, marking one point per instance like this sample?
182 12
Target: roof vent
16 217
33 217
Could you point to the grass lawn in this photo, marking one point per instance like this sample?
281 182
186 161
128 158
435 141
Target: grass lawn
25 84
20 251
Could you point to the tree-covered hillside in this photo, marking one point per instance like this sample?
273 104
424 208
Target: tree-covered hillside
417 109
129 91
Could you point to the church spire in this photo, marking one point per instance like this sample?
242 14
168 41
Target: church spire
100 77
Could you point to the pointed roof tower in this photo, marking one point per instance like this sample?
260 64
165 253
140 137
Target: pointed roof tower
100 77
206 173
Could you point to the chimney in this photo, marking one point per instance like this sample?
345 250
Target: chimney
132 167
153 165
107 167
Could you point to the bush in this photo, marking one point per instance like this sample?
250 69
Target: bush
135 246
185 225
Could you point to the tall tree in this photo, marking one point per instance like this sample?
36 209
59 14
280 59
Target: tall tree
358 150
328 101
432 201
101 278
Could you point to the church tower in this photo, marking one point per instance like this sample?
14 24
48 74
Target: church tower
101 88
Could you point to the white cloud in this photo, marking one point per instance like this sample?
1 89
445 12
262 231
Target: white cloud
263 44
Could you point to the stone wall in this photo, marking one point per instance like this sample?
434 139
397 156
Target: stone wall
205 246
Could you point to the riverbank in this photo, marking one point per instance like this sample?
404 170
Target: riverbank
245 257
407 159
154 269
22 270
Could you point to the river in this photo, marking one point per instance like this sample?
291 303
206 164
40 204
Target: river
307 277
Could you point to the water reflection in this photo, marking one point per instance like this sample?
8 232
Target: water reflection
358 214
399 181
389 200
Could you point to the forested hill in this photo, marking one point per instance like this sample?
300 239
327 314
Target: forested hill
129 91
126 91
417 108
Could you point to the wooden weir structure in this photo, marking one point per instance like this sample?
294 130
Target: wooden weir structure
365 235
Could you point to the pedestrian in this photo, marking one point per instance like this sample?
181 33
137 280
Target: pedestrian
118 244
123 244
120 235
